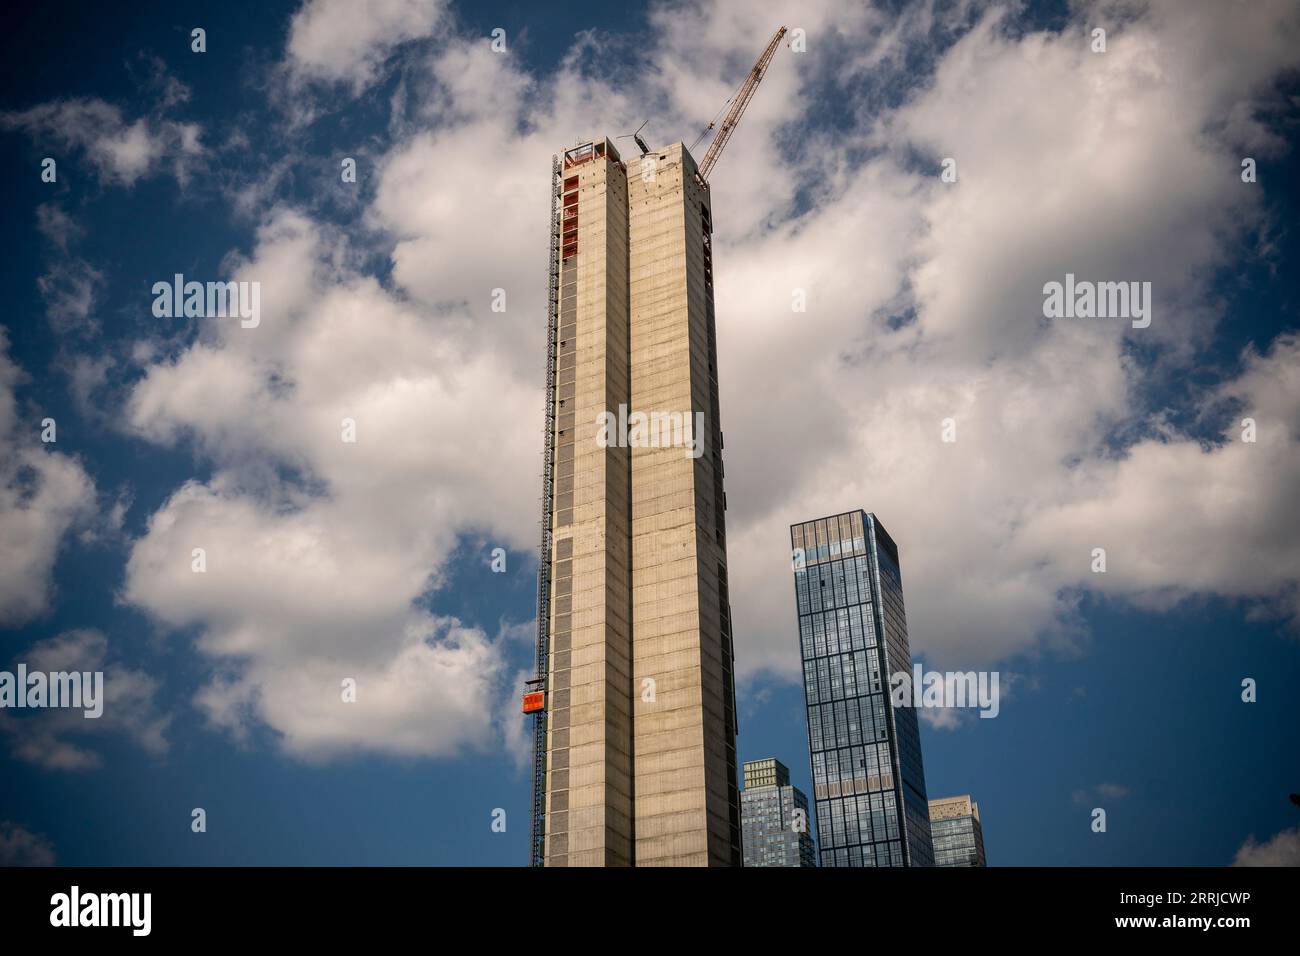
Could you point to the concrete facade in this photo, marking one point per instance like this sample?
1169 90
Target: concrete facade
589 745
641 762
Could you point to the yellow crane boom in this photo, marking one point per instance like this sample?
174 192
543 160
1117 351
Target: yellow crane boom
738 107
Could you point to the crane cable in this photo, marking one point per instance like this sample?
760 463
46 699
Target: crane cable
713 122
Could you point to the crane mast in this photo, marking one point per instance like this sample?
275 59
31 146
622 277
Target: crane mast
746 93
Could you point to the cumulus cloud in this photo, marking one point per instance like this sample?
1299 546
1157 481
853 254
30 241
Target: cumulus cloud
44 494
1283 849
517 728
319 550
337 41
924 299
21 847
55 738
924 303
120 150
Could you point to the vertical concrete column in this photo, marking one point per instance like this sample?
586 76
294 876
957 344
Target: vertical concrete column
589 752
686 799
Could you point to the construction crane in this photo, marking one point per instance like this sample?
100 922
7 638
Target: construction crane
739 102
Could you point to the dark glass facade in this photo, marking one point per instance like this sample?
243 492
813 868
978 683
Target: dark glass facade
868 779
776 824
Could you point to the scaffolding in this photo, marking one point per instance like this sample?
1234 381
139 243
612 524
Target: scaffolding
537 835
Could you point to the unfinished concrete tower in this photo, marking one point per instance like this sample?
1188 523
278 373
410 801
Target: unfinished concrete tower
635 749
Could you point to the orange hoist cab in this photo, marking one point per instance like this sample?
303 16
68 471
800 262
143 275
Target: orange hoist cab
535 699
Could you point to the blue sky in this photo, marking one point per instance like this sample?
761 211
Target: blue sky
1121 690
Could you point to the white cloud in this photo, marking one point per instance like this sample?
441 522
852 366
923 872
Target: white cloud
924 303
1106 171
430 693
1283 849
836 408
121 151
56 738
88 378
517 727
70 289
44 493
21 847
57 226
319 551
339 41
941 718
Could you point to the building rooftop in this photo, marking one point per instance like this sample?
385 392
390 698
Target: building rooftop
945 808
767 772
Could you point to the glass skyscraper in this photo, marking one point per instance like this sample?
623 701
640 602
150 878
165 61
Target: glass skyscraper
868 780
958 836
776 827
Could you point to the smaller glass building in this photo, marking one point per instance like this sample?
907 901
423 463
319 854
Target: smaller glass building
867 775
956 831
774 819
